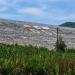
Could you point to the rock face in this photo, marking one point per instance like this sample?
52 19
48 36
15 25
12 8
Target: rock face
12 32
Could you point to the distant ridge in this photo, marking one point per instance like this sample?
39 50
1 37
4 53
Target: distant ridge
8 21
68 24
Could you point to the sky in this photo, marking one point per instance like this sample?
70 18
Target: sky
52 12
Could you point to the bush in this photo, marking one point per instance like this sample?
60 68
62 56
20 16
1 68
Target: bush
60 44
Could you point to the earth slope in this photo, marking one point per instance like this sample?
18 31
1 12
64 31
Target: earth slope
12 32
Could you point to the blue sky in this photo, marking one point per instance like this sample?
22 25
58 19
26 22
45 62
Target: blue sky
40 11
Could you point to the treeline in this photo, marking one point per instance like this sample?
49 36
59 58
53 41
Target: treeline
29 60
68 24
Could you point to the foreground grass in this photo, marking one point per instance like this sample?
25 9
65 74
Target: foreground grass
29 60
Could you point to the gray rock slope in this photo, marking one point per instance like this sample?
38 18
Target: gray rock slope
12 32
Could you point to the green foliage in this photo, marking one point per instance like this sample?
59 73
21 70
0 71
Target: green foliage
68 24
29 60
60 44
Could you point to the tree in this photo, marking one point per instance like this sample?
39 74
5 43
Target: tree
60 44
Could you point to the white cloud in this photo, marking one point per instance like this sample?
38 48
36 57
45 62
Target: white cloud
55 14
6 4
44 9
61 0
71 17
31 10
9 2
2 2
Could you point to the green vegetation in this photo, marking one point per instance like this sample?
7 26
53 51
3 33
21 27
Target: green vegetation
60 44
29 60
68 24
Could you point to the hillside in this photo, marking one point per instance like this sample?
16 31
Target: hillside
68 24
15 22
36 34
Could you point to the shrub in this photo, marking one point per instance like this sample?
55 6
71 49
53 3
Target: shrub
60 44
